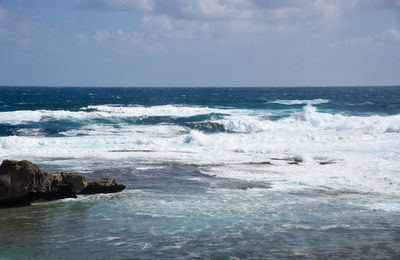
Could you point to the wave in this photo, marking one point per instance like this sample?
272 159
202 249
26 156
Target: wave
309 117
290 102
119 120
311 120
362 146
165 110
109 112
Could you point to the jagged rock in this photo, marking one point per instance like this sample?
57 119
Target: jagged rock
103 185
76 182
22 183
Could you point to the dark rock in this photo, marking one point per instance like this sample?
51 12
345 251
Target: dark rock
132 151
76 182
260 163
23 183
327 162
290 160
103 185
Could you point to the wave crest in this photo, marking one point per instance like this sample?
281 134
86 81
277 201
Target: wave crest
108 112
290 102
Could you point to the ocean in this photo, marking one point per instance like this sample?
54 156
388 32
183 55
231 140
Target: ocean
211 173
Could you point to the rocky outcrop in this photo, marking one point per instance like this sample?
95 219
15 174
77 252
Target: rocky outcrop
23 183
103 185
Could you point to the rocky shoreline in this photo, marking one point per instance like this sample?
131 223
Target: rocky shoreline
23 183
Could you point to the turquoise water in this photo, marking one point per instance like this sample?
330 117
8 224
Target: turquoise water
193 161
148 224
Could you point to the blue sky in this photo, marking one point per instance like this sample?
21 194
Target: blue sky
199 42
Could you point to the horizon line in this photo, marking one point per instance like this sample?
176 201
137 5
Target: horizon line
290 86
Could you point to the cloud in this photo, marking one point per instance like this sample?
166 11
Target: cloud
390 35
81 38
257 16
225 9
203 24
354 42
115 5
281 16
238 9
101 36
374 4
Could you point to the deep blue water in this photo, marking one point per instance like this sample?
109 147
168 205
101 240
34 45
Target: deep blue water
350 101
381 100
209 172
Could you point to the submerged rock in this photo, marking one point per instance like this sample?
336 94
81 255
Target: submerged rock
23 183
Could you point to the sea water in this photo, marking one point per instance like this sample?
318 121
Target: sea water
220 173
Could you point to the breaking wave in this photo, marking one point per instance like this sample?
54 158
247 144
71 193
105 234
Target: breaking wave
300 102
120 120
217 136
108 112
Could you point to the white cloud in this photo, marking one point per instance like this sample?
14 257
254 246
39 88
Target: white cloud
236 16
101 36
81 38
357 41
227 9
391 35
204 23
280 16
215 9
115 5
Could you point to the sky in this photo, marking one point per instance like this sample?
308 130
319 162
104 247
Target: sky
189 43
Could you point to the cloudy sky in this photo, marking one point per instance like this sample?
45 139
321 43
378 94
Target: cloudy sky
199 42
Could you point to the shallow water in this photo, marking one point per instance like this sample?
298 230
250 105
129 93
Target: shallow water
210 173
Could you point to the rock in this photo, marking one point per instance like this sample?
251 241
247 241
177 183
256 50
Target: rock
76 182
20 178
290 160
103 185
23 183
260 163
327 162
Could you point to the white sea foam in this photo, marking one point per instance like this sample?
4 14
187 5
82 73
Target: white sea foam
382 206
300 102
165 110
364 150
108 112
309 119
29 116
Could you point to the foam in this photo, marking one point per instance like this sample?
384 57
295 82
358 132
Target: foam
309 119
290 102
107 112
364 149
388 206
29 116
165 110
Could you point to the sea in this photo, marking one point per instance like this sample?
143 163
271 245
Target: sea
211 173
